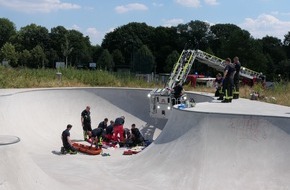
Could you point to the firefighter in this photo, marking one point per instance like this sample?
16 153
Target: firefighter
228 82
237 65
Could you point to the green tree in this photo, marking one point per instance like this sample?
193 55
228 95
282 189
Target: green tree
105 61
81 52
58 39
118 59
286 44
7 30
32 35
170 61
197 33
283 68
96 52
52 57
165 41
24 58
221 34
38 57
128 39
66 50
272 47
144 61
9 54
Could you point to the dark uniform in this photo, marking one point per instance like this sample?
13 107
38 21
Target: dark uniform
119 121
109 130
237 80
86 115
218 81
228 83
137 137
97 134
177 92
128 137
65 134
109 133
102 125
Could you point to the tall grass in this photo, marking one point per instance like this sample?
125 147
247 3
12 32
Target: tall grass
279 93
70 77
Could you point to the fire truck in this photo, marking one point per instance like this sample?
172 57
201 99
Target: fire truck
162 100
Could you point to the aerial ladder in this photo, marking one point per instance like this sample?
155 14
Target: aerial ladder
161 99
219 65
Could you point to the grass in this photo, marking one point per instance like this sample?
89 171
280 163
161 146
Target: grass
38 78
45 78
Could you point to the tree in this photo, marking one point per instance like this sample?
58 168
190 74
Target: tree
170 61
221 34
165 41
286 44
118 59
38 57
283 68
197 33
253 57
32 35
128 39
273 47
144 61
24 58
52 57
81 52
105 61
9 54
96 52
58 39
7 30
66 49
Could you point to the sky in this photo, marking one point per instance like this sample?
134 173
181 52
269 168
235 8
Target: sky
95 18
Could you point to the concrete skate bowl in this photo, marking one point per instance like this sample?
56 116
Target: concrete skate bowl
195 150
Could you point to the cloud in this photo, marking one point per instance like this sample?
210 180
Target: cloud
196 3
96 36
211 2
44 6
173 22
266 24
280 13
76 27
189 3
157 4
131 7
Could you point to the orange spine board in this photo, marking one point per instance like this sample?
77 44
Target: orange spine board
87 149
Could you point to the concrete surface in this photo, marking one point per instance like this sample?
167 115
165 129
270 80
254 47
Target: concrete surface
213 146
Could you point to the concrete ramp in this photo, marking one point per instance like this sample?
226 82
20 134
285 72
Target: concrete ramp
213 146
19 171
219 151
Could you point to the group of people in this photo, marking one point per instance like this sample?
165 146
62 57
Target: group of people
109 132
227 85
113 132
116 133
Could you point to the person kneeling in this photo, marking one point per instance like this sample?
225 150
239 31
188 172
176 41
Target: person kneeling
67 144
136 136
96 137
